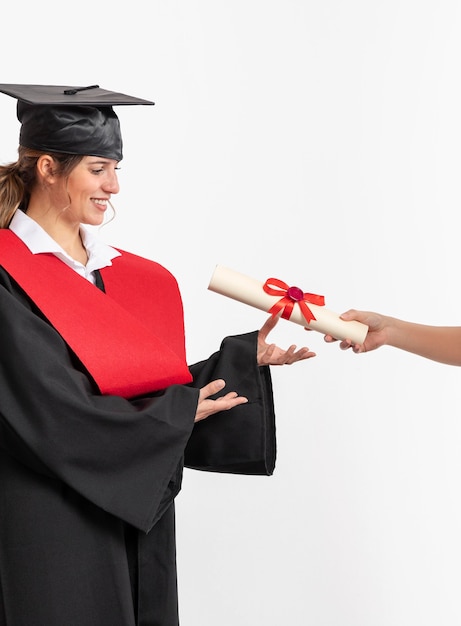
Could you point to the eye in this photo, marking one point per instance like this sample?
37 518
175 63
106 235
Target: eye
102 170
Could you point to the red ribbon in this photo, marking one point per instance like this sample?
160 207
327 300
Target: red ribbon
291 296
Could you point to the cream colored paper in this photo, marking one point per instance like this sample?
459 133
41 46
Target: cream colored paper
247 290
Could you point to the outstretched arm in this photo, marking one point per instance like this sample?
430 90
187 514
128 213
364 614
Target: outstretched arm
438 343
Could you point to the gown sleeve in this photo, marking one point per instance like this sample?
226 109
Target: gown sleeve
242 440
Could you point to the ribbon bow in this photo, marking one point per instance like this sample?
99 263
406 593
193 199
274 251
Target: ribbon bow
291 296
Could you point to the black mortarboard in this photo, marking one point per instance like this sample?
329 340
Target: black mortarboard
72 120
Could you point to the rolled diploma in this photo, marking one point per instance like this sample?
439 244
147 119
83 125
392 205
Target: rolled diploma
247 290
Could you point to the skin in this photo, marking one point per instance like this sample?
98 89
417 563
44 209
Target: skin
438 343
60 205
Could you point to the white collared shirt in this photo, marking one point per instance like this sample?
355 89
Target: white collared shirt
38 241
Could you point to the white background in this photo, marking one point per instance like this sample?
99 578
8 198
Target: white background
318 142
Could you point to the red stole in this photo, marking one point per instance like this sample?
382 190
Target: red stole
131 338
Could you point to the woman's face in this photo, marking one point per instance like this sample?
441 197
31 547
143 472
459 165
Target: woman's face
90 186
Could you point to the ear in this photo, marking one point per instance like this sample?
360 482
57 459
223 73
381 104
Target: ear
46 168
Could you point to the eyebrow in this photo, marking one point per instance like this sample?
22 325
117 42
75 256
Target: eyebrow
101 161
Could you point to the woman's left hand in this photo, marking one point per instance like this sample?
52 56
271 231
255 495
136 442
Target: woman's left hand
270 354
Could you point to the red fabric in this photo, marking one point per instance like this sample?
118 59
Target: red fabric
115 334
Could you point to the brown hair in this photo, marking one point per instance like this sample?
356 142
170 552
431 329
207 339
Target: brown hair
18 179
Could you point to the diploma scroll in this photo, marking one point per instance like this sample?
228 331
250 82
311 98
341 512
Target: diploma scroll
247 290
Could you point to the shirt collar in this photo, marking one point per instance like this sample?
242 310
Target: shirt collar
38 241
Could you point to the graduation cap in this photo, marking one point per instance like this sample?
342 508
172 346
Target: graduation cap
71 120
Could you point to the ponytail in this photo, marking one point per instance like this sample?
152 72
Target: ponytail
12 192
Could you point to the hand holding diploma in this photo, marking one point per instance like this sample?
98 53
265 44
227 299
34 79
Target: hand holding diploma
292 303
376 336
438 343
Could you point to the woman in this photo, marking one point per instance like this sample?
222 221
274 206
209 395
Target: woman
99 411
438 343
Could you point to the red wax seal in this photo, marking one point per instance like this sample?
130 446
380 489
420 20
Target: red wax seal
291 296
295 293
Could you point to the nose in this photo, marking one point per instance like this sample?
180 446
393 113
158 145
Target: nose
111 184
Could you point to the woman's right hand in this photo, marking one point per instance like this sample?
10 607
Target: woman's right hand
207 407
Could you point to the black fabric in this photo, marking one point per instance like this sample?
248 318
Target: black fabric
98 280
74 129
216 444
69 95
70 119
87 482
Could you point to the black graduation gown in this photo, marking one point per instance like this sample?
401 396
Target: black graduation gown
87 482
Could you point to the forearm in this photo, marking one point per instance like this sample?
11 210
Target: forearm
438 343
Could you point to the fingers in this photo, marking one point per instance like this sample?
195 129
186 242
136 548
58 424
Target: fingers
215 387
345 344
230 400
348 343
293 356
302 354
288 356
209 390
207 407
373 320
276 356
351 314
268 325
270 350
